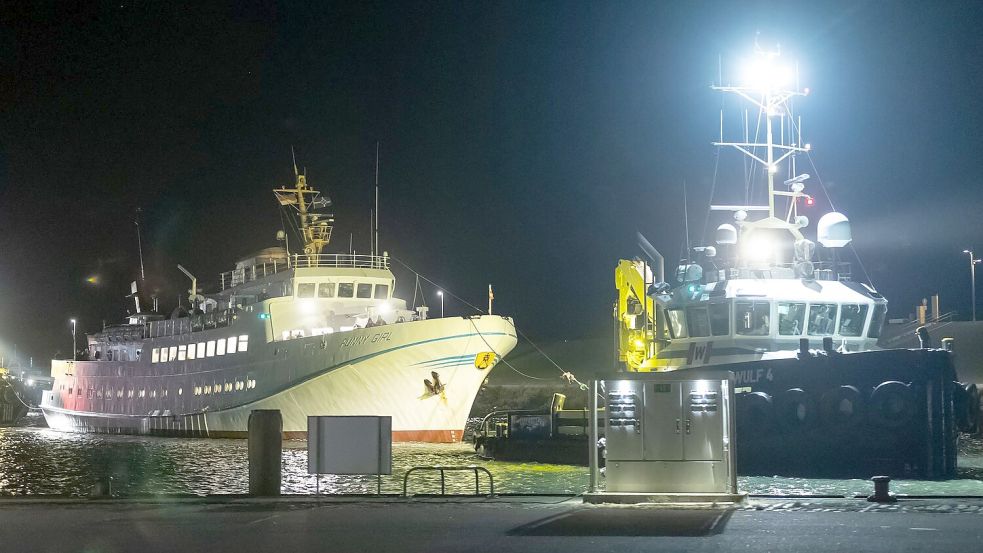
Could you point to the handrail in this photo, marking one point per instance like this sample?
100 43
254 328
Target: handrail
242 275
443 486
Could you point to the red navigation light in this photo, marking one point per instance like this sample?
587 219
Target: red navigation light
809 200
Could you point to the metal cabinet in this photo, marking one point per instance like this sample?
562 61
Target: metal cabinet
669 432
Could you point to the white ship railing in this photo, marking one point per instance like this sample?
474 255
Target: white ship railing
236 277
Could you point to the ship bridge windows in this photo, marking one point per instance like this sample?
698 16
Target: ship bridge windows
791 318
210 349
877 320
325 290
346 289
305 289
243 343
752 318
182 352
822 319
719 319
677 323
852 319
364 290
697 322
381 292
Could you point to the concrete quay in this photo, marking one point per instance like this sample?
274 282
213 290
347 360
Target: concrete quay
540 524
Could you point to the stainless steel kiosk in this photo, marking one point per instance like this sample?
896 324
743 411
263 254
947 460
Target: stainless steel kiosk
668 437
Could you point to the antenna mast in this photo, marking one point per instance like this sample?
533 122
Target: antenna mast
136 221
314 223
376 231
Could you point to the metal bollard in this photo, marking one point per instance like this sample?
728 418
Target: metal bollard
803 347
265 444
828 344
882 493
947 344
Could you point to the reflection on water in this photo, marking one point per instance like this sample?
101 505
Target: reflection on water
41 461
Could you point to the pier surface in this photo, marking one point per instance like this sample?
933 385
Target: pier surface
496 525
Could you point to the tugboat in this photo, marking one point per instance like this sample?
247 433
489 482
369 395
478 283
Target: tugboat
304 332
815 395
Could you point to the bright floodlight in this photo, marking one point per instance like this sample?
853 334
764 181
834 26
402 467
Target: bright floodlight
765 74
758 247
384 308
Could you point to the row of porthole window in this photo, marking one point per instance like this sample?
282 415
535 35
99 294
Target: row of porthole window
211 348
217 388
98 393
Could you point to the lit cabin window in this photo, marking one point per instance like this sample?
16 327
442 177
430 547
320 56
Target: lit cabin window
346 289
182 352
191 352
200 350
364 291
227 387
180 391
852 320
155 355
231 344
220 347
210 350
822 319
752 318
172 353
325 290
305 290
243 342
697 322
381 291
719 319
791 318
677 323
143 392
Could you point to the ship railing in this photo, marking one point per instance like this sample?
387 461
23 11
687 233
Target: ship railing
823 270
243 275
193 323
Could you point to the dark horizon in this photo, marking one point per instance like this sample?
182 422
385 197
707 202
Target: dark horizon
521 144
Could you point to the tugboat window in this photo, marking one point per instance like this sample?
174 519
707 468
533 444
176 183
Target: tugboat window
677 323
822 319
305 290
697 322
791 318
751 318
346 289
877 321
719 319
852 320
364 291
325 290
381 291
243 342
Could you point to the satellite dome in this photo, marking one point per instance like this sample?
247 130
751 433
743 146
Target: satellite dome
833 230
726 234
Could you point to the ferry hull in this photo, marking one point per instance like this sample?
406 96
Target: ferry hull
360 376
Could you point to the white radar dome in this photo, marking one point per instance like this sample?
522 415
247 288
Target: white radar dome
726 234
833 230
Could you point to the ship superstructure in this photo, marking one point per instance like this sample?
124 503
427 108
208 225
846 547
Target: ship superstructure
762 286
307 332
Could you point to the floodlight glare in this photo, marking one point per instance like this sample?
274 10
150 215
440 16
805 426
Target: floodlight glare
763 74
757 248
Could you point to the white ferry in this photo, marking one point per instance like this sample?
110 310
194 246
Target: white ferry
306 333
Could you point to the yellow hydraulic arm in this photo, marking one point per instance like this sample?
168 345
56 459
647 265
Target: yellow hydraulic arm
641 330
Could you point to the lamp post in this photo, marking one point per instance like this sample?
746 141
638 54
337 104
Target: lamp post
73 340
972 275
441 294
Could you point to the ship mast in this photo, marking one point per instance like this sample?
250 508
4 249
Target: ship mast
314 224
766 86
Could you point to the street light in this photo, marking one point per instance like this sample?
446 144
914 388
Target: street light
441 294
73 340
972 275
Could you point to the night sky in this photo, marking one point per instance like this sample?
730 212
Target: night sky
522 144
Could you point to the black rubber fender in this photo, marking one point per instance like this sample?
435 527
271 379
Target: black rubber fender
795 409
973 407
892 404
9 395
755 411
960 407
843 406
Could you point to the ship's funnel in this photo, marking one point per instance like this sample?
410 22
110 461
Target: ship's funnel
833 230
726 234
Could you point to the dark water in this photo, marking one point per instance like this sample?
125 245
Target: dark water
37 461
